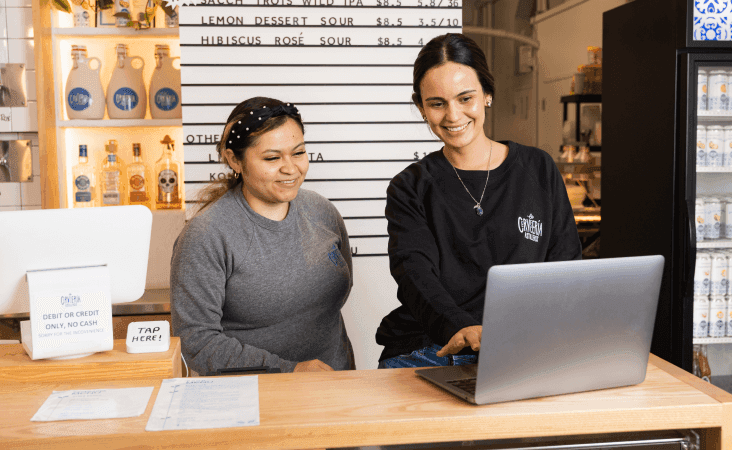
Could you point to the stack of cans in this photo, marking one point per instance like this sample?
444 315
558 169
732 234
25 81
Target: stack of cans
712 90
713 219
713 146
712 313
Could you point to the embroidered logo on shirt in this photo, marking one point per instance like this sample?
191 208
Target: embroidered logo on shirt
333 255
532 229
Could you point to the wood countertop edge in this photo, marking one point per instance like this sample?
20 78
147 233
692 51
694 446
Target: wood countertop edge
351 435
723 397
709 389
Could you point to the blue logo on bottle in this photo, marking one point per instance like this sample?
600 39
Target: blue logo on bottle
79 99
126 99
166 99
82 183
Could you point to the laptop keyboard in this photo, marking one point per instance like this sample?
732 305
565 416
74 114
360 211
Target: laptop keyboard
468 384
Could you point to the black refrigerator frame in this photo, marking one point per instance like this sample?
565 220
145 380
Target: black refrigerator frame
649 178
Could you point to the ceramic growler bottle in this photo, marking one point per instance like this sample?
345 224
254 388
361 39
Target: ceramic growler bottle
126 97
84 92
165 86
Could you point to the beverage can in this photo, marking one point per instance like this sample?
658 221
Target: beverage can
729 260
726 218
700 316
701 147
699 219
715 139
712 218
718 317
727 146
702 90
729 317
718 274
703 266
718 90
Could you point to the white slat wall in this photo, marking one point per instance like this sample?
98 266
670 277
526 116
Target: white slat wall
347 66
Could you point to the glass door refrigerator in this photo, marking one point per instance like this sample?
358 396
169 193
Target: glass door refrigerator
667 167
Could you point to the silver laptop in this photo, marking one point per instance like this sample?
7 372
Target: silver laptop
560 327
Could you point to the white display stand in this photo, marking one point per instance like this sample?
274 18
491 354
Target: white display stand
70 313
148 336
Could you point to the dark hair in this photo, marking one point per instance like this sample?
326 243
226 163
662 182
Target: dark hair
216 189
451 47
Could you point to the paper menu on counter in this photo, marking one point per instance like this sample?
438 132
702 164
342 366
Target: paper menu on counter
206 403
94 404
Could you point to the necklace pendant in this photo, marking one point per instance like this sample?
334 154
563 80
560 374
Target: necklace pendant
479 210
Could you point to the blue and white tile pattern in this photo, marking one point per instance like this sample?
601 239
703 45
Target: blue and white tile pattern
712 20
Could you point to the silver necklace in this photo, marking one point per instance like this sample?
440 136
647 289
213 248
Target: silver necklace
477 207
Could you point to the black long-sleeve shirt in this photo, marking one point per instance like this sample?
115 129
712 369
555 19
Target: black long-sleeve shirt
440 250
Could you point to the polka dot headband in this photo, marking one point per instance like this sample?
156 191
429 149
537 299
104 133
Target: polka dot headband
254 120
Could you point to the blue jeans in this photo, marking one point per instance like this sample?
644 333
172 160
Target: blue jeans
426 357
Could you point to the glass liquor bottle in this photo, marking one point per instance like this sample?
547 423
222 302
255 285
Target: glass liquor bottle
138 180
167 171
83 181
111 181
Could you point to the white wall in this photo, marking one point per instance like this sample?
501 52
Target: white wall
373 296
16 46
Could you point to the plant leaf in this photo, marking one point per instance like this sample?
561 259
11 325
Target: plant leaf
105 4
62 5
166 8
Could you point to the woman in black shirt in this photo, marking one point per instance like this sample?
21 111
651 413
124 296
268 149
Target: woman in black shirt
462 209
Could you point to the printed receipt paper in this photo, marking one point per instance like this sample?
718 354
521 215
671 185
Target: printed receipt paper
94 404
206 403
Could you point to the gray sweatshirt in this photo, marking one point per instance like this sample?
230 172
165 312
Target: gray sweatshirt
248 291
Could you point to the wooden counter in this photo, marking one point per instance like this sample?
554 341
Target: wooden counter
375 407
17 367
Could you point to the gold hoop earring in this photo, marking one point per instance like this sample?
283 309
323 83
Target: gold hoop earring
236 175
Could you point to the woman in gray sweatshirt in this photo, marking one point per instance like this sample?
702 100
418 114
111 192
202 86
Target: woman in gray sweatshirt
259 275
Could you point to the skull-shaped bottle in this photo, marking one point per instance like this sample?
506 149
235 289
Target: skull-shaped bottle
167 171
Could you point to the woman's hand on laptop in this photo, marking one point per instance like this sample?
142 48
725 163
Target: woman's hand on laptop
312 365
468 336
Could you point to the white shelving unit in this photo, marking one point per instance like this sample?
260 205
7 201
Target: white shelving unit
101 43
710 341
713 170
715 182
118 123
116 32
713 116
714 244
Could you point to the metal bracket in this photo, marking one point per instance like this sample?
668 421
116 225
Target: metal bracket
16 161
13 89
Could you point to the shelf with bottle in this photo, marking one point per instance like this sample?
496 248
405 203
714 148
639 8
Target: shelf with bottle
153 145
118 123
711 340
714 116
713 169
111 32
714 244
84 22
137 87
